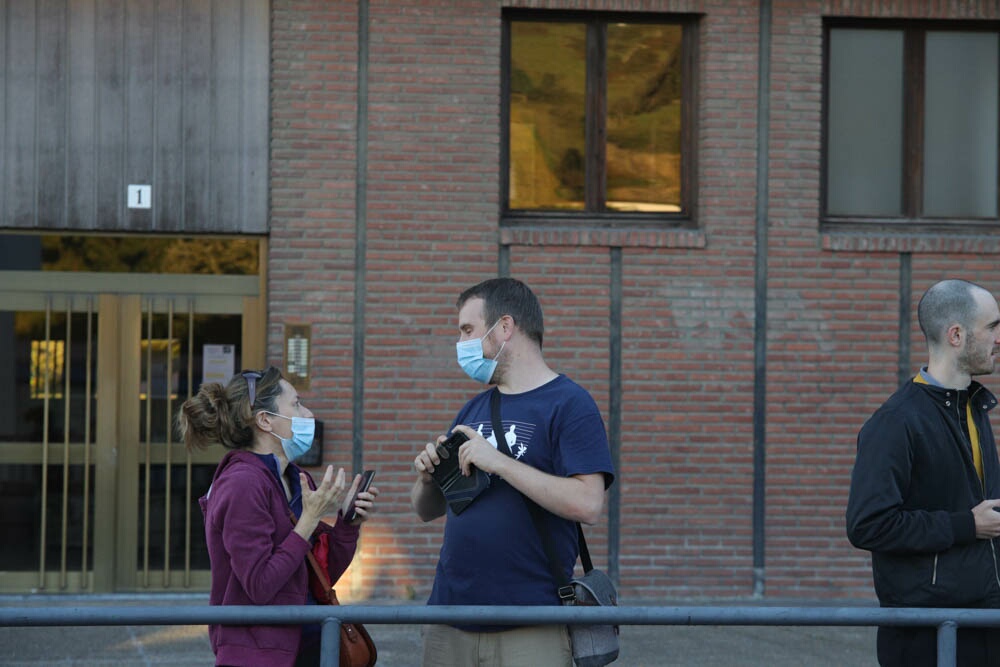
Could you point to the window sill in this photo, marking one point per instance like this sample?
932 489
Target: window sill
977 239
637 237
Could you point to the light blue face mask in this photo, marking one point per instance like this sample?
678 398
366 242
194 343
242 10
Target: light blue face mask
303 430
470 358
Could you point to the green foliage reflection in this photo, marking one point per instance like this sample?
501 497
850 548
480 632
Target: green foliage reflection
128 254
547 104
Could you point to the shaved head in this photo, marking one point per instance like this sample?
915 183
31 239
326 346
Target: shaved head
946 303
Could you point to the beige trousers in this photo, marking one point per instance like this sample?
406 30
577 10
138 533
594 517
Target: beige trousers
548 645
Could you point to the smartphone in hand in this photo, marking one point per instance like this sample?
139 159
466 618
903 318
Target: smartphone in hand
366 481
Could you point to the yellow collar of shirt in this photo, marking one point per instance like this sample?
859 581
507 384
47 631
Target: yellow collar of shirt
977 450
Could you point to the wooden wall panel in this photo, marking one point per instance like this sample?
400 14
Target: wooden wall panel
19 161
50 112
197 107
108 134
139 105
101 94
225 114
168 140
81 114
256 110
3 130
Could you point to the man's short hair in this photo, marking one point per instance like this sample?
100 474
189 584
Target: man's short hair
945 303
508 296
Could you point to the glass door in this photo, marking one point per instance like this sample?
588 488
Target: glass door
94 485
48 419
178 351
93 481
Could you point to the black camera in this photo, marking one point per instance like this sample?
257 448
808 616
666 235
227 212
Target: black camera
458 489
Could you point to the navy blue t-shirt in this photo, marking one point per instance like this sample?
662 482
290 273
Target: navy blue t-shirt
492 553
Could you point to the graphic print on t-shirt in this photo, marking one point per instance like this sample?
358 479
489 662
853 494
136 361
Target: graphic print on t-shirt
517 434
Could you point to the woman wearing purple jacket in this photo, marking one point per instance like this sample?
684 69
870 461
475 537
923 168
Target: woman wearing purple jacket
257 550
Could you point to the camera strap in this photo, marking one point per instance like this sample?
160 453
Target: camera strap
538 513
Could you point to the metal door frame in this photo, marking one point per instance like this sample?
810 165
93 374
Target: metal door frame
122 302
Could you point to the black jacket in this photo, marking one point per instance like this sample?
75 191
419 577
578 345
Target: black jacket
912 491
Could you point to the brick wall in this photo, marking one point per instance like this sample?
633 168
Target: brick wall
432 207
311 266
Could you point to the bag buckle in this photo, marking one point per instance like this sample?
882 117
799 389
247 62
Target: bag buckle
567 593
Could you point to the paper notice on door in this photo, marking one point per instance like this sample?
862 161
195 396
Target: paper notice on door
217 363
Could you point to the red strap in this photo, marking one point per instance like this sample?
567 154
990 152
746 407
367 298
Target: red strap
318 570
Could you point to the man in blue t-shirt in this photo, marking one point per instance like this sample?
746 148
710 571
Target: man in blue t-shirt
492 553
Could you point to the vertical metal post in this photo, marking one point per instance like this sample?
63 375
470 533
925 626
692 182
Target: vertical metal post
167 487
360 254
760 297
615 411
947 644
503 261
67 365
361 242
149 443
187 463
904 371
329 645
43 362
88 385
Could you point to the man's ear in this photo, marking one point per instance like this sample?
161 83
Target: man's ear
507 325
955 335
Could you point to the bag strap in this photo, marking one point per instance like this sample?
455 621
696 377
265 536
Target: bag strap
317 569
538 513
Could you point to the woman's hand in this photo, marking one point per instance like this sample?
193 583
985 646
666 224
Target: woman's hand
364 505
321 502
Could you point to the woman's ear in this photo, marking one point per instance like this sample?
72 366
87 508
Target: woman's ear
262 420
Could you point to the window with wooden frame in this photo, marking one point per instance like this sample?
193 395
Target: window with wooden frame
598 119
911 126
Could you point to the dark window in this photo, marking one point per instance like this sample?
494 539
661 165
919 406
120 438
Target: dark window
598 118
911 134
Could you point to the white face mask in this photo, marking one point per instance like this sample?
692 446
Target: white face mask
470 358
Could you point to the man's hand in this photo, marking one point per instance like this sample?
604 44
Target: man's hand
987 519
426 497
427 460
477 451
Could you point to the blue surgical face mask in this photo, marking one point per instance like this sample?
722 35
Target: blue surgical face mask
303 430
470 358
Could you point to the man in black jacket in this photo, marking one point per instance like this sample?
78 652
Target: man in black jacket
925 489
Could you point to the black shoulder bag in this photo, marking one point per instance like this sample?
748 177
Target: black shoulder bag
593 645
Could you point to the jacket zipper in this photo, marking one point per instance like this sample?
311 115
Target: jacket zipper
993 552
934 575
982 483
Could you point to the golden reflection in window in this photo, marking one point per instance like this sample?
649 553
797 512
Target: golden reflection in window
644 117
47 359
641 167
146 254
547 104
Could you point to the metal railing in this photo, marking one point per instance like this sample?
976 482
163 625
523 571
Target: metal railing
947 621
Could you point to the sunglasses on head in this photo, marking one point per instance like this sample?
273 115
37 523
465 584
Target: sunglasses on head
251 377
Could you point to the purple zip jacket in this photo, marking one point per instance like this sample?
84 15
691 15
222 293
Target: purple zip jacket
257 559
